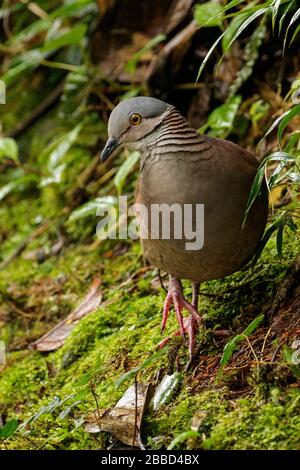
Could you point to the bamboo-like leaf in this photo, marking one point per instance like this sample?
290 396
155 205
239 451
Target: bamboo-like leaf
295 34
275 175
255 190
280 156
232 28
251 15
274 9
244 25
283 220
294 18
8 429
208 54
283 15
286 118
294 177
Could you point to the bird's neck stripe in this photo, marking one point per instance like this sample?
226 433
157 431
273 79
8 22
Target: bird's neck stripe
175 134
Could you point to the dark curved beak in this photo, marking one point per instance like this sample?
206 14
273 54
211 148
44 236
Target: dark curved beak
110 146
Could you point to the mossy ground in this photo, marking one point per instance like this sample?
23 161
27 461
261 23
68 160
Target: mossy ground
249 412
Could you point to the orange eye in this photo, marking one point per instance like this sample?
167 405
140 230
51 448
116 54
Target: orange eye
135 119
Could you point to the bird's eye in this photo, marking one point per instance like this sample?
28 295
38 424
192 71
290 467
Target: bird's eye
135 119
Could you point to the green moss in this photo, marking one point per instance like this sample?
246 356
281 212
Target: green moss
120 335
255 425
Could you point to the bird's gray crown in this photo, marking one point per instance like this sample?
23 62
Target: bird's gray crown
146 106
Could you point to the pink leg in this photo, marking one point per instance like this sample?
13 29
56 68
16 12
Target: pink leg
188 325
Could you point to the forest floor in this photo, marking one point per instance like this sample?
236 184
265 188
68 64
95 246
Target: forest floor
253 403
64 71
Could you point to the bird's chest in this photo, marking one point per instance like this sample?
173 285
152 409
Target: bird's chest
173 179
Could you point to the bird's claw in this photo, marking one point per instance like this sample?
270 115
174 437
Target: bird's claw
187 325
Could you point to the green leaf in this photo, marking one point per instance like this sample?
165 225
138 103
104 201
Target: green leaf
253 325
166 390
220 121
125 169
276 174
72 8
295 34
286 118
284 158
55 153
240 27
208 54
284 13
279 120
90 208
294 18
208 14
274 10
8 429
182 437
231 30
25 63
282 220
74 36
9 149
230 347
294 177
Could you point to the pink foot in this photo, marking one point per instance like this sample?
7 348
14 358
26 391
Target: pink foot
187 325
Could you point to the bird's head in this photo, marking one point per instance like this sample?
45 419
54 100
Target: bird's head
132 121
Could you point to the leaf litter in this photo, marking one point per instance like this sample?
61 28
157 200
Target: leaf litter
56 337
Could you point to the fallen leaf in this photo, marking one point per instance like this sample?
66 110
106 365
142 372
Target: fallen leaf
124 420
56 337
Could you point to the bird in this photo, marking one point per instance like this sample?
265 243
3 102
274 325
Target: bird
180 166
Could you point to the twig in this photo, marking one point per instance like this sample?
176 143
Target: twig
97 412
265 341
135 410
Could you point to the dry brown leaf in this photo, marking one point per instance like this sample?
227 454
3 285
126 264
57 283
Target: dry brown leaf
56 337
124 420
